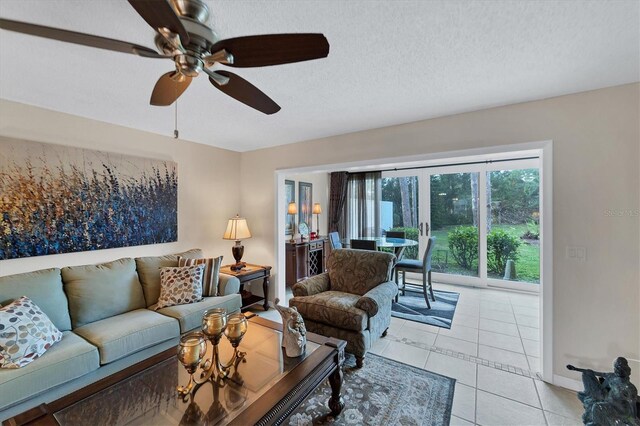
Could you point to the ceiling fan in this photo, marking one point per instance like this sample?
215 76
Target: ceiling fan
184 37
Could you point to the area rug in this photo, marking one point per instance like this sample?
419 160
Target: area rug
382 392
413 307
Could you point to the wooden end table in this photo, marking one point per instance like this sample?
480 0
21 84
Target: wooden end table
249 273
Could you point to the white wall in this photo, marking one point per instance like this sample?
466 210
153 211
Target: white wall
596 144
320 194
207 194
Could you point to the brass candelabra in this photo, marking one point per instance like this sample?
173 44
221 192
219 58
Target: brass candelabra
192 348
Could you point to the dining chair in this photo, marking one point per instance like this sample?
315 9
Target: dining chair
364 245
399 251
419 266
334 240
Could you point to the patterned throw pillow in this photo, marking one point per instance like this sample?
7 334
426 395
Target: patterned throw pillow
180 285
25 333
211 273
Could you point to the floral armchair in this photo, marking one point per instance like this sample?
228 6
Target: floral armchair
352 301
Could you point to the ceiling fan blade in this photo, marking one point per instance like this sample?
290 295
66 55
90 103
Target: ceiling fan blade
167 90
245 92
78 38
273 49
160 14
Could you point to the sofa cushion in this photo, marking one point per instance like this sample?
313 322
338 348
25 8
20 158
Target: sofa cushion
180 285
25 333
149 271
334 308
358 271
44 288
211 275
190 316
125 334
70 358
101 291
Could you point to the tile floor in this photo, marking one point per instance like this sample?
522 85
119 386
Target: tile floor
492 350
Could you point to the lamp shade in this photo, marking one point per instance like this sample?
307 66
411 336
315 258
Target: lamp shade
293 208
317 209
237 229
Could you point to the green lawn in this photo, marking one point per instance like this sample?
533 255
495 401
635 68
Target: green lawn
527 266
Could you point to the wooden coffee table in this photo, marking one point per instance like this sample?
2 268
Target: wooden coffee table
264 390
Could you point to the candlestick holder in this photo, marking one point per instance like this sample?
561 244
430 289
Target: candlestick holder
215 324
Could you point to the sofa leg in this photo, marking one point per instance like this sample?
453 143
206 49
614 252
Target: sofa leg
384 333
359 361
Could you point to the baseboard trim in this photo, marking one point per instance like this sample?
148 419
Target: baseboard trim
568 383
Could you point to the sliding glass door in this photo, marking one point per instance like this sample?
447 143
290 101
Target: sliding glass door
485 219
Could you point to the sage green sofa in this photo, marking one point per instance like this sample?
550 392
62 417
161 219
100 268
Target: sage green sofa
107 317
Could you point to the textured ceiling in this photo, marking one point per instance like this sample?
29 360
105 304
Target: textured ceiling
391 62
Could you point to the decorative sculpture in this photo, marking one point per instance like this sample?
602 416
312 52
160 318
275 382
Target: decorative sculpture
609 398
294 333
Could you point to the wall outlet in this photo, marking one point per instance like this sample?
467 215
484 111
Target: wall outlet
578 254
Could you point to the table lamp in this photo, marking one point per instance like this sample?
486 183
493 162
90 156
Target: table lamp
237 229
317 210
293 211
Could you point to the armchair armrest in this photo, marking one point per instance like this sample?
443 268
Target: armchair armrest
227 285
310 286
378 296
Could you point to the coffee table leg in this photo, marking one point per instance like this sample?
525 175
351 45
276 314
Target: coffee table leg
265 290
336 403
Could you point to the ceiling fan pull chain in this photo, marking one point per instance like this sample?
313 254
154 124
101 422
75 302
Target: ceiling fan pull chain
176 134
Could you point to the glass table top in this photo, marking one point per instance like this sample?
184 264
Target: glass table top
150 397
384 242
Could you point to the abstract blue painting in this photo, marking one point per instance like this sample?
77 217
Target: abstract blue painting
58 199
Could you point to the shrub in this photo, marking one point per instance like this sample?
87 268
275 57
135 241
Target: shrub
410 234
463 245
501 246
532 232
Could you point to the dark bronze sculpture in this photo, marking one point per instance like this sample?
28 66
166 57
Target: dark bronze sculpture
609 398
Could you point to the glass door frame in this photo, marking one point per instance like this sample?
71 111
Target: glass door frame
424 211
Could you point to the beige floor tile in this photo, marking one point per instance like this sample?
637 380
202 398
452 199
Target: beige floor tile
405 353
396 325
503 356
457 421
526 310
531 347
498 316
508 385
465 320
530 301
413 335
498 327
494 296
501 341
495 410
559 400
461 332
473 311
464 402
556 420
379 346
529 333
463 371
458 345
422 327
528 321
534 364
487 305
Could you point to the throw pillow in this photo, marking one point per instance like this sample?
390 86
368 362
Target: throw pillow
25 333
211 275
180 285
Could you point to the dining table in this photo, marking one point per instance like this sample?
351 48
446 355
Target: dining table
397 244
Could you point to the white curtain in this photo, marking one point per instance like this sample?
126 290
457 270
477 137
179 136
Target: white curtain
364 193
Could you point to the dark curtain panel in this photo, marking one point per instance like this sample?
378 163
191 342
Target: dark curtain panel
364 195
337 198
